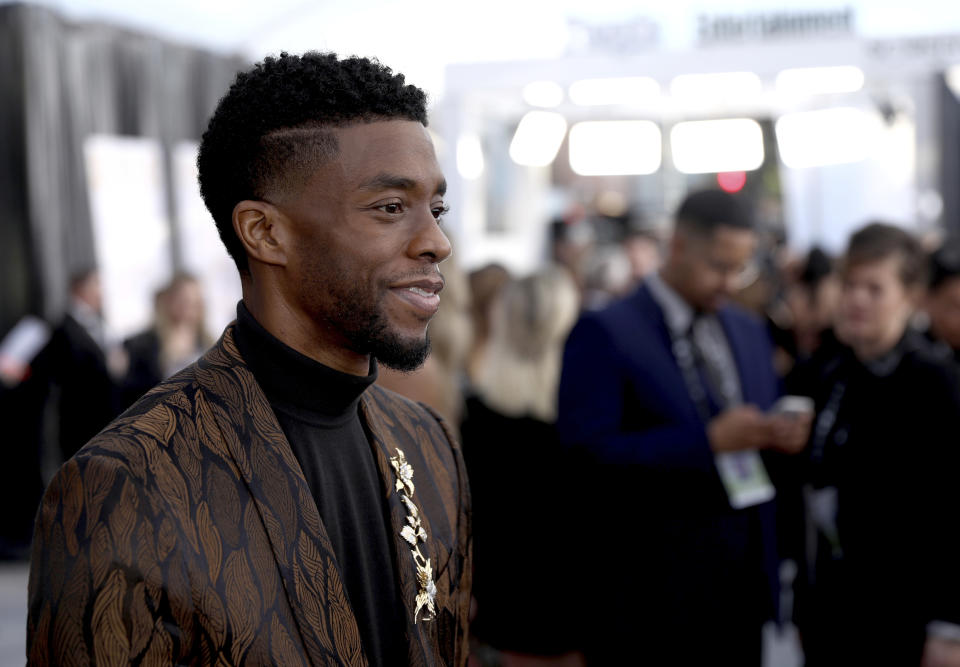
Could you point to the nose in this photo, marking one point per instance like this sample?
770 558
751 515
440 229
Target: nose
429 241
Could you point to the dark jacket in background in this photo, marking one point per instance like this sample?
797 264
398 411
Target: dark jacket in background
73 368
676 573
893 454
143 370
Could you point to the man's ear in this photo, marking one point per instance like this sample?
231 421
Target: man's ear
678 244
261 228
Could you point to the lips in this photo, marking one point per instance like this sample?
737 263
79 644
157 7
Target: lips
423 295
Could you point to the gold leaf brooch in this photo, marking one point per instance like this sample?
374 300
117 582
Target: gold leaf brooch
415 535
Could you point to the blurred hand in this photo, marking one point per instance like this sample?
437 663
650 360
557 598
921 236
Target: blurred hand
939 652
790 432
741 427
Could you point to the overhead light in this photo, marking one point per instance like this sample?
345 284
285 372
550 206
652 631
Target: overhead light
543 94
624 90
538 138
722 87
615 147
820 80
827 136
713 146
469 157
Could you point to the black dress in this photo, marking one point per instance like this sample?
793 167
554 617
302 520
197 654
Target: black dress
529 558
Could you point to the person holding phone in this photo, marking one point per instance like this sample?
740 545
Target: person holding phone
667 390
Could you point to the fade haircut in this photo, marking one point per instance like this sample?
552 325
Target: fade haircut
878 241
702 212
272 128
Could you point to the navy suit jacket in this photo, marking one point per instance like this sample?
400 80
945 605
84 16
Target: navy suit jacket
623 400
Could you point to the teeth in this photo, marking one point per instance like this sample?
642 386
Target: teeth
421 292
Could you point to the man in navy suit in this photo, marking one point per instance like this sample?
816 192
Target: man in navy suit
668 391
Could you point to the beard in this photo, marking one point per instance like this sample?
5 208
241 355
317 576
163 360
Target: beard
368 331
389 349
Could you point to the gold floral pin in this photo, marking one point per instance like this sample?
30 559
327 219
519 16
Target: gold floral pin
415 535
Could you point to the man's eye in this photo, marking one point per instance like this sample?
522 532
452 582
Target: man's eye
439 211
392 208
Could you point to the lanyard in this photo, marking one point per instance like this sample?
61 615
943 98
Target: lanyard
826 420
685 354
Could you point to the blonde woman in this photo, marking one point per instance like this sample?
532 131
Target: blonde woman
515 467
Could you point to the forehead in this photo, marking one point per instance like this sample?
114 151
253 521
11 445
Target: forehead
881 268
730 240
392 148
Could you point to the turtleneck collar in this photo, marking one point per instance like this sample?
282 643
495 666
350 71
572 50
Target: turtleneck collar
292 380
888 362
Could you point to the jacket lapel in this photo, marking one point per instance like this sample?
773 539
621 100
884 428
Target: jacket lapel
659 354
382 428
279 492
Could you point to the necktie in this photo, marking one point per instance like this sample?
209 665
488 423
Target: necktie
706 372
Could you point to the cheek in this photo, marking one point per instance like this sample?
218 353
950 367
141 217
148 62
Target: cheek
706 280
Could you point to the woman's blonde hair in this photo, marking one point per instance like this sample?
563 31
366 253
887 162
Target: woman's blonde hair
531 321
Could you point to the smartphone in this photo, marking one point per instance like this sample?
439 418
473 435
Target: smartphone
795 406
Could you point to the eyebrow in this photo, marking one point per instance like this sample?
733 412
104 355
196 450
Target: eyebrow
391 182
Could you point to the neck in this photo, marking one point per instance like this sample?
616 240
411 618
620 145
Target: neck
671 276
296 329
871 350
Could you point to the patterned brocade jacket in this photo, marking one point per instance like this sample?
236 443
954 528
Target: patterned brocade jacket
185 533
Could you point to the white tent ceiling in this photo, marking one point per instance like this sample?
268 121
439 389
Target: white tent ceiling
421 38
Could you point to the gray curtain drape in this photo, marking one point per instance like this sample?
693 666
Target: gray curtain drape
61 82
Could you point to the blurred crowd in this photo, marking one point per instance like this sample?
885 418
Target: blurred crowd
78 380
640 487
615 520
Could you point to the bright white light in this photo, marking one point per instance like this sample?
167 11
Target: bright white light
820 80
538 138
712 146
952 75
626 90
543 94
828 136
721 88
601 148
469 156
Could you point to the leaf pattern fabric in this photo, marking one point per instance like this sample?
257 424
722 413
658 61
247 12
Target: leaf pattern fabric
185 533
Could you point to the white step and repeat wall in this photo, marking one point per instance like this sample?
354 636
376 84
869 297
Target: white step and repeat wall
132 232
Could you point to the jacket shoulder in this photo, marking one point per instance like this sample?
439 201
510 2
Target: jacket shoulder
410 413
152 421
620 325
743 317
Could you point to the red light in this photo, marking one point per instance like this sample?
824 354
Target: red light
732 181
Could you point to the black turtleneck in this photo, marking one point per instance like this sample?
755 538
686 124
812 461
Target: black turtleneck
318 409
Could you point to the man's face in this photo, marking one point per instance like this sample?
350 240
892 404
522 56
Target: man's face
943 306
875 306
366 245
711 267
90 292
184 303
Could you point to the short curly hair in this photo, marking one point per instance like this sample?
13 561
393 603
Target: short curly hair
269 131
